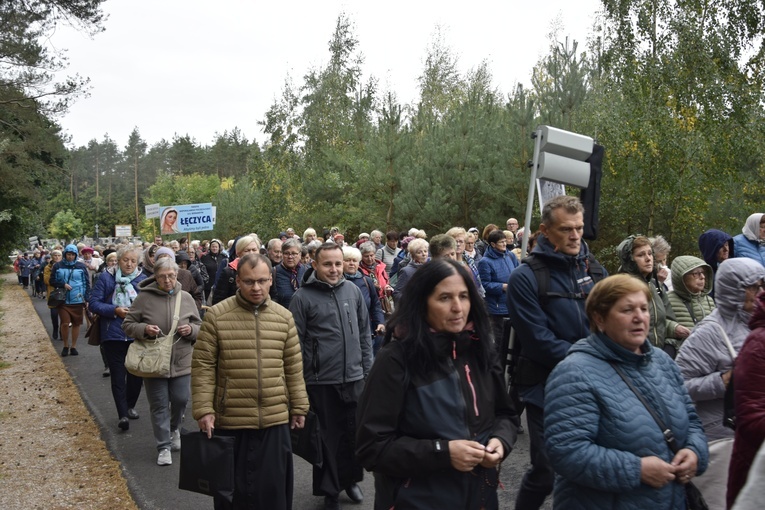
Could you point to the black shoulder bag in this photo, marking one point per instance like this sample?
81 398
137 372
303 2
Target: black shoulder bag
693 498
57 296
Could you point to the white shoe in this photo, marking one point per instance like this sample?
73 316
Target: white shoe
175 437
164 458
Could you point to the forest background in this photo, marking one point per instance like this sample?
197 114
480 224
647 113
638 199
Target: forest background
672 90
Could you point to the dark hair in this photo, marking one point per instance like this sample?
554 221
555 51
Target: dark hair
410 326
392 235
496 236
255 259
325 247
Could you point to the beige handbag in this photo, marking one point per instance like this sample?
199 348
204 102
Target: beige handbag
151 358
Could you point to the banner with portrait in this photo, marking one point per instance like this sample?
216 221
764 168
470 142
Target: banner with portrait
179 219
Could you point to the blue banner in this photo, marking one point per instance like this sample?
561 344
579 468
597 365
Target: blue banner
179 219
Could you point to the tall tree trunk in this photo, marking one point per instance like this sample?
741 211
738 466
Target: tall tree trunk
135 182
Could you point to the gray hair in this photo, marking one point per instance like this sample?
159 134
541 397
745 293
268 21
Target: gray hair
660 245
129 249
570 204
376 233
367 247
292 242
416 244
165 263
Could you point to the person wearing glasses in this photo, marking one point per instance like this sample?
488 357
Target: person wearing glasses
706 362
260 404
692 280
151 317
288 274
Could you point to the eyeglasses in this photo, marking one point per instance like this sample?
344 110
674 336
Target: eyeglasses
698 274
291 253
251 283
166 276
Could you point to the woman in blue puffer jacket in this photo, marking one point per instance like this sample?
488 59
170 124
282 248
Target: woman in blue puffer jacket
494 270
607 450
112 296
71 275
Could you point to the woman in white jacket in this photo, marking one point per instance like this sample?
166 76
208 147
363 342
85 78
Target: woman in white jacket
706 362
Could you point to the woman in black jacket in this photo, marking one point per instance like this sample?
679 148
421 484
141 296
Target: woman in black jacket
211 260
436 383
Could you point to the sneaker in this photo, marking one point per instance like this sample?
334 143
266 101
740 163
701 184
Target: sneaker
65 352
175 437
73 351
164 458
132 414
124 423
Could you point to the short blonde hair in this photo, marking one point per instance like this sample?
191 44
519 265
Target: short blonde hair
351 252
608 291
417 244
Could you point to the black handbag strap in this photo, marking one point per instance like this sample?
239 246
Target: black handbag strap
669 437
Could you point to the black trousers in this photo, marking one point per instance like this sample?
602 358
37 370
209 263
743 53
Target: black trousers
538 481
263 469
126 388
335 405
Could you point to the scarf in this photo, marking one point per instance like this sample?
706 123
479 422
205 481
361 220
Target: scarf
124 293
751 228
354 276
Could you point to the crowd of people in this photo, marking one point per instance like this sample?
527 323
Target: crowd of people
398 343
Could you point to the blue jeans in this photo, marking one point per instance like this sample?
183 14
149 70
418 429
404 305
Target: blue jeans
167 403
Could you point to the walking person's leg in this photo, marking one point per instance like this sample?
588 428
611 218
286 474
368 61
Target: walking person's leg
158 395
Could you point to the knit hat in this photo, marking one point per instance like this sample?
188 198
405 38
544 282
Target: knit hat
87 249
164 251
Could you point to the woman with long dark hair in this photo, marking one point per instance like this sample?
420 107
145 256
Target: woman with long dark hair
435 420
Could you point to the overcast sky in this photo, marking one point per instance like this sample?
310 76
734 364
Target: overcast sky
199 67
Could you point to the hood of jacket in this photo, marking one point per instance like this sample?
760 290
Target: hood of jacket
732 276
70 248
627 263
751 228
758 316
182 256
710 243
602 347
683 265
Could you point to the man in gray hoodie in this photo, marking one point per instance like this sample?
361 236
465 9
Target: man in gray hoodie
333 325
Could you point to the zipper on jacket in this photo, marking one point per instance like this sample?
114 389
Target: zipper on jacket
260 375
345 340
472 389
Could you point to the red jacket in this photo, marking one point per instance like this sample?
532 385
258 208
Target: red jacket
380 277
749 381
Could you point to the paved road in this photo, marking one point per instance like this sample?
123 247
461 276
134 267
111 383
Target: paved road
155 487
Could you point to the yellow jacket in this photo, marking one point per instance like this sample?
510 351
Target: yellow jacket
247 366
